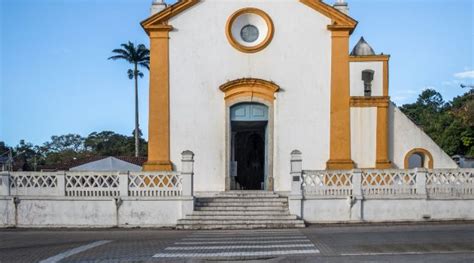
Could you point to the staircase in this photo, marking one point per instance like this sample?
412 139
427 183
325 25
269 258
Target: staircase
241 210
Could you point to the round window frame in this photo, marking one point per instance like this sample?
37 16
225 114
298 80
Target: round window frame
255 48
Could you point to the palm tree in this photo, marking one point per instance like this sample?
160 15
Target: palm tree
138 56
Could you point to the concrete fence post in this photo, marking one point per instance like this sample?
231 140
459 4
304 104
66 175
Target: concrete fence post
296 171
4 184
187 174
123 183
421 175
357 183
355 202
61 181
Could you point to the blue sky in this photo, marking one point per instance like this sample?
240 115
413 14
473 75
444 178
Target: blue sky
55 77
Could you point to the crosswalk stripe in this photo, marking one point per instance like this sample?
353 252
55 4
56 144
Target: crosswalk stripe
244 242
239 254
239 247
242 238
240 244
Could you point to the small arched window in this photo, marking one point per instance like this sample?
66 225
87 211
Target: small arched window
418 158
368 77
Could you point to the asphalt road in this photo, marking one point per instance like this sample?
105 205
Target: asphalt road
368 243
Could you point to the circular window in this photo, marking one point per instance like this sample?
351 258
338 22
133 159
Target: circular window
249 33
249 30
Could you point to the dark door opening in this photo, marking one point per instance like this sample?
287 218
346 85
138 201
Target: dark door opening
248 155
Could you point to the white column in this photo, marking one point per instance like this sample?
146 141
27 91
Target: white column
355 202
357 183
61 183
296 196
187 174
123 183
4 183
421 174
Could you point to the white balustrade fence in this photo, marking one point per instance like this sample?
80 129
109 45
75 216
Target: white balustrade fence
327 183
31 183
100 184
389 182
162 184
92 184
450 182
373 183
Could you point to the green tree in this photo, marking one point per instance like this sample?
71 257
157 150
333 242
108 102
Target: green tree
138 56
450 124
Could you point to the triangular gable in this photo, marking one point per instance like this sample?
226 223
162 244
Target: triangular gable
339 19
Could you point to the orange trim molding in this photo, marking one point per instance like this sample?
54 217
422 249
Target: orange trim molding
369 58
251 49
381 144
340 122
162 17
338 18
426 154
375 101
159 109
250 87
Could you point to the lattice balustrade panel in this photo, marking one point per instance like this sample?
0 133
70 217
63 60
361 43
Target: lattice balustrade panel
327 183
33 180
155 184
450 182
92 184
389 182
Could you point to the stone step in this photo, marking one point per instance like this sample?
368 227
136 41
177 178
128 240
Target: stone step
246 194
237 204
238 222
247 226
240 199
241 217
241 208
241 212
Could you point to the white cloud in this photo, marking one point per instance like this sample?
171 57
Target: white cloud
469 74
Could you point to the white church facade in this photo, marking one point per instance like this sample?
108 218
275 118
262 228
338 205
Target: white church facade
256 95
244 83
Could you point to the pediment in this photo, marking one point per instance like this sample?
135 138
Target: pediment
338 18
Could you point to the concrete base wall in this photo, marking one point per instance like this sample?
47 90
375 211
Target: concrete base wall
99 212
386 210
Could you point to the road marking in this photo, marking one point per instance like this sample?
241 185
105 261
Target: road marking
241 238
237 254
74 251
407 253
240 244
244 242
240 247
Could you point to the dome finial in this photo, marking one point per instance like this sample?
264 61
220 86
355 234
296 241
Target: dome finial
362 48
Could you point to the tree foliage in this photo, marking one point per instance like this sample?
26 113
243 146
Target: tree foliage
449 124
66 149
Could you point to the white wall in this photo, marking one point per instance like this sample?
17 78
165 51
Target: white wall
357 84
91 212
364 136
386 210
297 59
405 135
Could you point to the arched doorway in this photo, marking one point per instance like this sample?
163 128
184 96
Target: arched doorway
249 154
